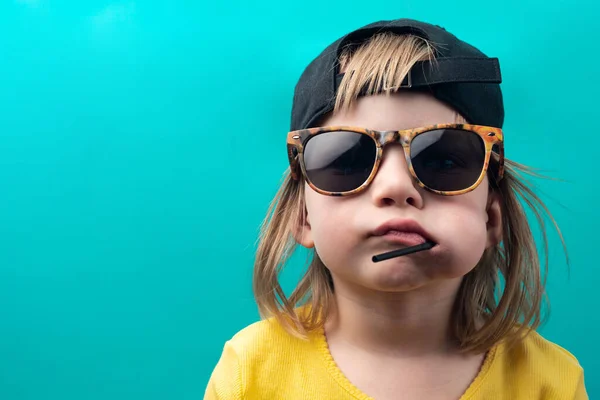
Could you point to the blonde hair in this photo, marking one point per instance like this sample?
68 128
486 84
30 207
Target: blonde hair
508 310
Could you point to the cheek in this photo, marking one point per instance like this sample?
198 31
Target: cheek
327 221
462 226
331 219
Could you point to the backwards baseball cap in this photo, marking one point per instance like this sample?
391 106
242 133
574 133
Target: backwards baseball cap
461 75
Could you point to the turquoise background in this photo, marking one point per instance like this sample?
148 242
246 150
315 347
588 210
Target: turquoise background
140 144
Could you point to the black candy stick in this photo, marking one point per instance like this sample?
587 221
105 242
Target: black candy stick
403 252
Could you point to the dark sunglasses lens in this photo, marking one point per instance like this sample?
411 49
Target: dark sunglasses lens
339 161
448 159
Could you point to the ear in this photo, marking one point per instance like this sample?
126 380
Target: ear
302 231
494 219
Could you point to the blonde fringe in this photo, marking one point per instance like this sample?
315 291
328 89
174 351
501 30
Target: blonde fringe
365 66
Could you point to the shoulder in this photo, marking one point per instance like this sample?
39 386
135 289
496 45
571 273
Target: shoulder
263 337
534 349
253 357
541 366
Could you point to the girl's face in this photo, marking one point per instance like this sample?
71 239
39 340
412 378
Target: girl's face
341 228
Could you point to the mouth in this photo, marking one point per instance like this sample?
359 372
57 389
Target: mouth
404 232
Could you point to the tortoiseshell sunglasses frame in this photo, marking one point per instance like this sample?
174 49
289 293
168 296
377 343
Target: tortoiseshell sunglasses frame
491 136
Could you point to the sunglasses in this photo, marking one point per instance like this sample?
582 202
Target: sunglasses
447 159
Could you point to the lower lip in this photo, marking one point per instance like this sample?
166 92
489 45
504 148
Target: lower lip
405 238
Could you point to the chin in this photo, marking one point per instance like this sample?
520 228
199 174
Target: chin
397 277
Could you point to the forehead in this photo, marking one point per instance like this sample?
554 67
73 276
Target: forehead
403 110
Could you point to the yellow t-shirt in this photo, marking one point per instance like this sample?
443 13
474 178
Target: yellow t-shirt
264 362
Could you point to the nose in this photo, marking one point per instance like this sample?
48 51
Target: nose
394 185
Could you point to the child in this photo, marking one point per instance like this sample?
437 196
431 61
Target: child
396 143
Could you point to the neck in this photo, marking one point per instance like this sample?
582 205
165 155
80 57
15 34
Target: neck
411 323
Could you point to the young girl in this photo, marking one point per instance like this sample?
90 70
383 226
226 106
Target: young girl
396 143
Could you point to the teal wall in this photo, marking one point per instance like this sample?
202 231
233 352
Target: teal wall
140 144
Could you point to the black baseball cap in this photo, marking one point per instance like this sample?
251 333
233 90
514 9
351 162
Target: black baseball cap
461 76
